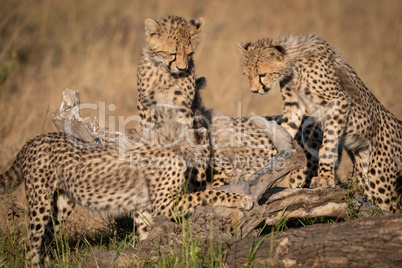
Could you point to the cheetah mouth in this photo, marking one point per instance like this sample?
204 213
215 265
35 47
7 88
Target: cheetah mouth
178 72
263 91
266 90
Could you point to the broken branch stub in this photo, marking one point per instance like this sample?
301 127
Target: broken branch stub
279 136
290 157
67 119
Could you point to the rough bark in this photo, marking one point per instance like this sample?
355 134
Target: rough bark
367 242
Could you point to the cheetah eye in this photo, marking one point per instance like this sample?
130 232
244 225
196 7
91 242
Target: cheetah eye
262 75
163 54
172 54
190 54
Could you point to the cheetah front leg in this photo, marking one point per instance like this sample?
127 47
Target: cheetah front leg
145 114
183 99
294 110
335 119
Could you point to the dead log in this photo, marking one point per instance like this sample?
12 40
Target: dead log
67 119
367 242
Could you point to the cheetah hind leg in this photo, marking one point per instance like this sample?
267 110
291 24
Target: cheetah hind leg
384 182
299 178
39 216
309 138
62 208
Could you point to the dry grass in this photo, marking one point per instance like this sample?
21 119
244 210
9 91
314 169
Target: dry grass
94 46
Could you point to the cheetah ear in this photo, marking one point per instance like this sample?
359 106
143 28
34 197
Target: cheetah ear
198 25
151 27
243 47
276 51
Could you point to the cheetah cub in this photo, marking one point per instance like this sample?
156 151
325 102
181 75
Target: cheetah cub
314 77
166 73
61 171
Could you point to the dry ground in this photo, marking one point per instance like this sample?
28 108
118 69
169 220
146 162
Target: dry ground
94 46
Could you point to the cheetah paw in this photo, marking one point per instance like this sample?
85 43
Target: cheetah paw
246 203
143 235
322 182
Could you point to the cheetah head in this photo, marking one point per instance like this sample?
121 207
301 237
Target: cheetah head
265 66
172 41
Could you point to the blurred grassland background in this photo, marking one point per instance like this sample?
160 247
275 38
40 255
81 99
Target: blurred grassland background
94 46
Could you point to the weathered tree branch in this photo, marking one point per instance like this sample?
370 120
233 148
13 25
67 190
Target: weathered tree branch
305 203
290 157
283 204
270 175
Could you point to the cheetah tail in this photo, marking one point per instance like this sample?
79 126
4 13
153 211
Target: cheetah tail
11 178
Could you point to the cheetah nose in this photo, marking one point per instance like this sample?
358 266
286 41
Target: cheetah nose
254 90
